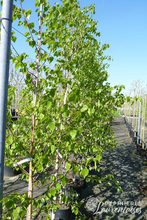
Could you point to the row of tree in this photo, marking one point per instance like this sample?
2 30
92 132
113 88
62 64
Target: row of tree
65 105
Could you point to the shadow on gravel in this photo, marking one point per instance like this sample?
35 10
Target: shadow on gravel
105 201
102 201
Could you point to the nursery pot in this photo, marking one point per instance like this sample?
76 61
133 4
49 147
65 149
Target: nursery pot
9 172
135 140
63 214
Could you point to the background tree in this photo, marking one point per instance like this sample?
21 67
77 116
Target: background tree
138 89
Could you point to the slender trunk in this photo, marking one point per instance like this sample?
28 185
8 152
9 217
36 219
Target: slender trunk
65 95
30 184
30 192
59 156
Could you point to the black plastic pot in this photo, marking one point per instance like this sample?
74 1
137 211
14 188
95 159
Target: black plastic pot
64 214
10 172
79 185
139 147
135 140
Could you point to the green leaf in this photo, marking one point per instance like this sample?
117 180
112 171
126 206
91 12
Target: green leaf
73 134
51 126
75 209
84 172
52 149
9 204
52 192
67 166
32 43
50 59
91 111
98 157
41 116
62 127
9 140
14 38
15 213
84 108
31 25
64 180
58 186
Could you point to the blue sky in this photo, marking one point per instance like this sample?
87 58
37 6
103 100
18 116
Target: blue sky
123 24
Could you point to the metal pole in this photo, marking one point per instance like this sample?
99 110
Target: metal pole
6 23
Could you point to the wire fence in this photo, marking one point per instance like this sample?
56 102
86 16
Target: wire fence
135 114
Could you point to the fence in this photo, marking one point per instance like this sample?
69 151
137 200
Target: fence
135 113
